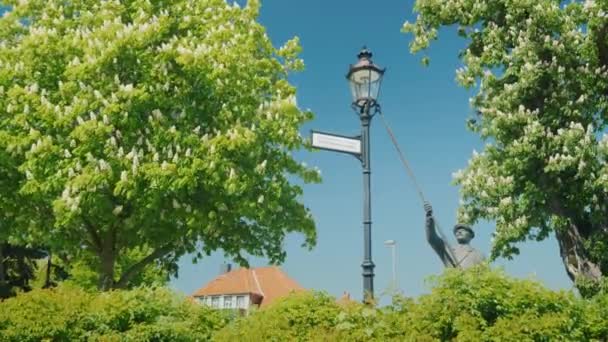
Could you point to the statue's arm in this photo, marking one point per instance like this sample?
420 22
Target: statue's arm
438 244
432 237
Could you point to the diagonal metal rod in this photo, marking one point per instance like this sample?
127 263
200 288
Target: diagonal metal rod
403 160
410 172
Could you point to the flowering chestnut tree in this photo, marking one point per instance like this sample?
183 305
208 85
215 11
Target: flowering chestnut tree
541 71
165 126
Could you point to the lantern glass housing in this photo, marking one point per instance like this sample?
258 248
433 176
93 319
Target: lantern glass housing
365 78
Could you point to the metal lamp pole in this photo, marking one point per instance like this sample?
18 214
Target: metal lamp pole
365 79
368 264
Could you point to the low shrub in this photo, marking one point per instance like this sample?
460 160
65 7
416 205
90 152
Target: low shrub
479 304
486 305
295 318
72 314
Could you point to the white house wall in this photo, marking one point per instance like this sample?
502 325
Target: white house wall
208 300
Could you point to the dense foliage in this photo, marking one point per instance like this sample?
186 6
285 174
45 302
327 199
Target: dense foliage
71 314
163 127
476 305
479 304
541 67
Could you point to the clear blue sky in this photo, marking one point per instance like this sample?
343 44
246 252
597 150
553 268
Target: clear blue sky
427 111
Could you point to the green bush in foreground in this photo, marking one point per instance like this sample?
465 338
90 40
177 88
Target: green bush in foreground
71 314
480 304
476 305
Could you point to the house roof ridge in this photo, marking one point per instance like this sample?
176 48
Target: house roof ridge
257 282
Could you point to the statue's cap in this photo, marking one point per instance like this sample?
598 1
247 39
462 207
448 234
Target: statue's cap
465 227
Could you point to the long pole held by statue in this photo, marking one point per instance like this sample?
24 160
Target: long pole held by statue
410 173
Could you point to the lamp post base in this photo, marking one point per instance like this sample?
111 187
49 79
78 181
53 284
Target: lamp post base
368 281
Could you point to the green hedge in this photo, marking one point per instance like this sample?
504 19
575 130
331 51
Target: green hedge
477 305
72 314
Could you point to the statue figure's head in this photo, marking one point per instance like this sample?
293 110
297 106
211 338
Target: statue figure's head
463 233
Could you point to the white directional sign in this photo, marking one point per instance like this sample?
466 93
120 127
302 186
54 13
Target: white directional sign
335 142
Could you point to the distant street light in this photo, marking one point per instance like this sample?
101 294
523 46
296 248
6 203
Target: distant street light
392 244
364 79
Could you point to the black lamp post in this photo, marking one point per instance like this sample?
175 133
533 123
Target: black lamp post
365 79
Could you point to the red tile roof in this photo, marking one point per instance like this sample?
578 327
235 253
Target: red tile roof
268 282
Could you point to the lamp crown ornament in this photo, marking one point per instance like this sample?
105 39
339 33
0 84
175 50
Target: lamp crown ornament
365 54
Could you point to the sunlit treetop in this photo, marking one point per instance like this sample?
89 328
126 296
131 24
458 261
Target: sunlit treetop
158 123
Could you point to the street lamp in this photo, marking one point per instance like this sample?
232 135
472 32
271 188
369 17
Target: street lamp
392 244
365 79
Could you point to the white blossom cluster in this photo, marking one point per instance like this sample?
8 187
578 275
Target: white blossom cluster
541 104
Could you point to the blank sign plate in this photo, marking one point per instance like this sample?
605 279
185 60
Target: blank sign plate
335 142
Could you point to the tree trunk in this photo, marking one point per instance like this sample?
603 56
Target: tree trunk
2 270
107 258
5 290
575 257
23 271
601 43
49 267
106 271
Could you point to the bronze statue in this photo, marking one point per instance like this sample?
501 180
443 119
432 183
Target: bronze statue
461 255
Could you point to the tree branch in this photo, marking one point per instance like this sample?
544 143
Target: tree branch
96 239
138 267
